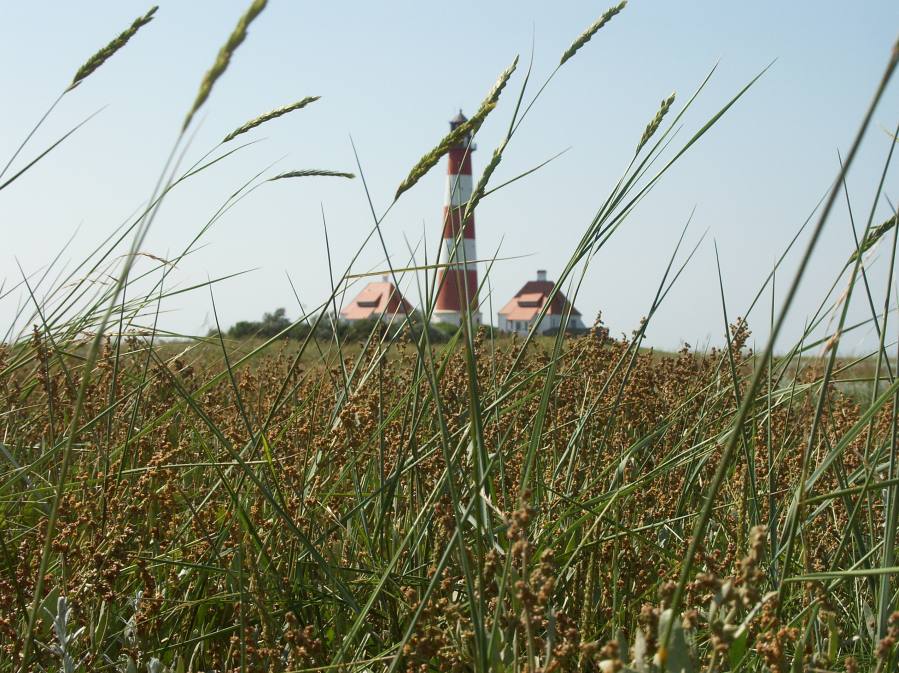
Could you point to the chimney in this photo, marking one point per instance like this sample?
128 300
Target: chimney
541 274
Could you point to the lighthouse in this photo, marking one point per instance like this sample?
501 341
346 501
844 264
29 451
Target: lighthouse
457 280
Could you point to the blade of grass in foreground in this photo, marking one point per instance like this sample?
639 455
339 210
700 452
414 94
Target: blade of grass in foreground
748 400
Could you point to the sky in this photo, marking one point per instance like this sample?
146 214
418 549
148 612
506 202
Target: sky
390 75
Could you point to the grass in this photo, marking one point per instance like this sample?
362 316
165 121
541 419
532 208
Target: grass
486 504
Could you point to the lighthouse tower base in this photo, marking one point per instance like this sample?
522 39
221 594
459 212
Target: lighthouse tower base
453 317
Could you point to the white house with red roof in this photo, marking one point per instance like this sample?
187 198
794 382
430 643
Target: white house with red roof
523 310
379 299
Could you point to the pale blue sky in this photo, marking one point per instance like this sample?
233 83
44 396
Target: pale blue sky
391 74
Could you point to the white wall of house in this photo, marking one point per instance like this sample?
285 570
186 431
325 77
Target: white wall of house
396 318
549 322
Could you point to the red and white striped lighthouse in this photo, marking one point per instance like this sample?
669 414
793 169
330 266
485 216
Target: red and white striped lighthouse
457 288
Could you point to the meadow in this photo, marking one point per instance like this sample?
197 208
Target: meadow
398 499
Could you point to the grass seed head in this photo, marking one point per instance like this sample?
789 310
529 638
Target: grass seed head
588 34
429 160
98 59
653 125
238 35
268 116
313 173
458 134
481 187
873 236
493 96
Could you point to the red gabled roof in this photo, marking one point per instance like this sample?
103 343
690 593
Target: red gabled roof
376 299
530 299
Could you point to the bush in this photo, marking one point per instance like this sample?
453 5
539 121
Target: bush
571 331
357 331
